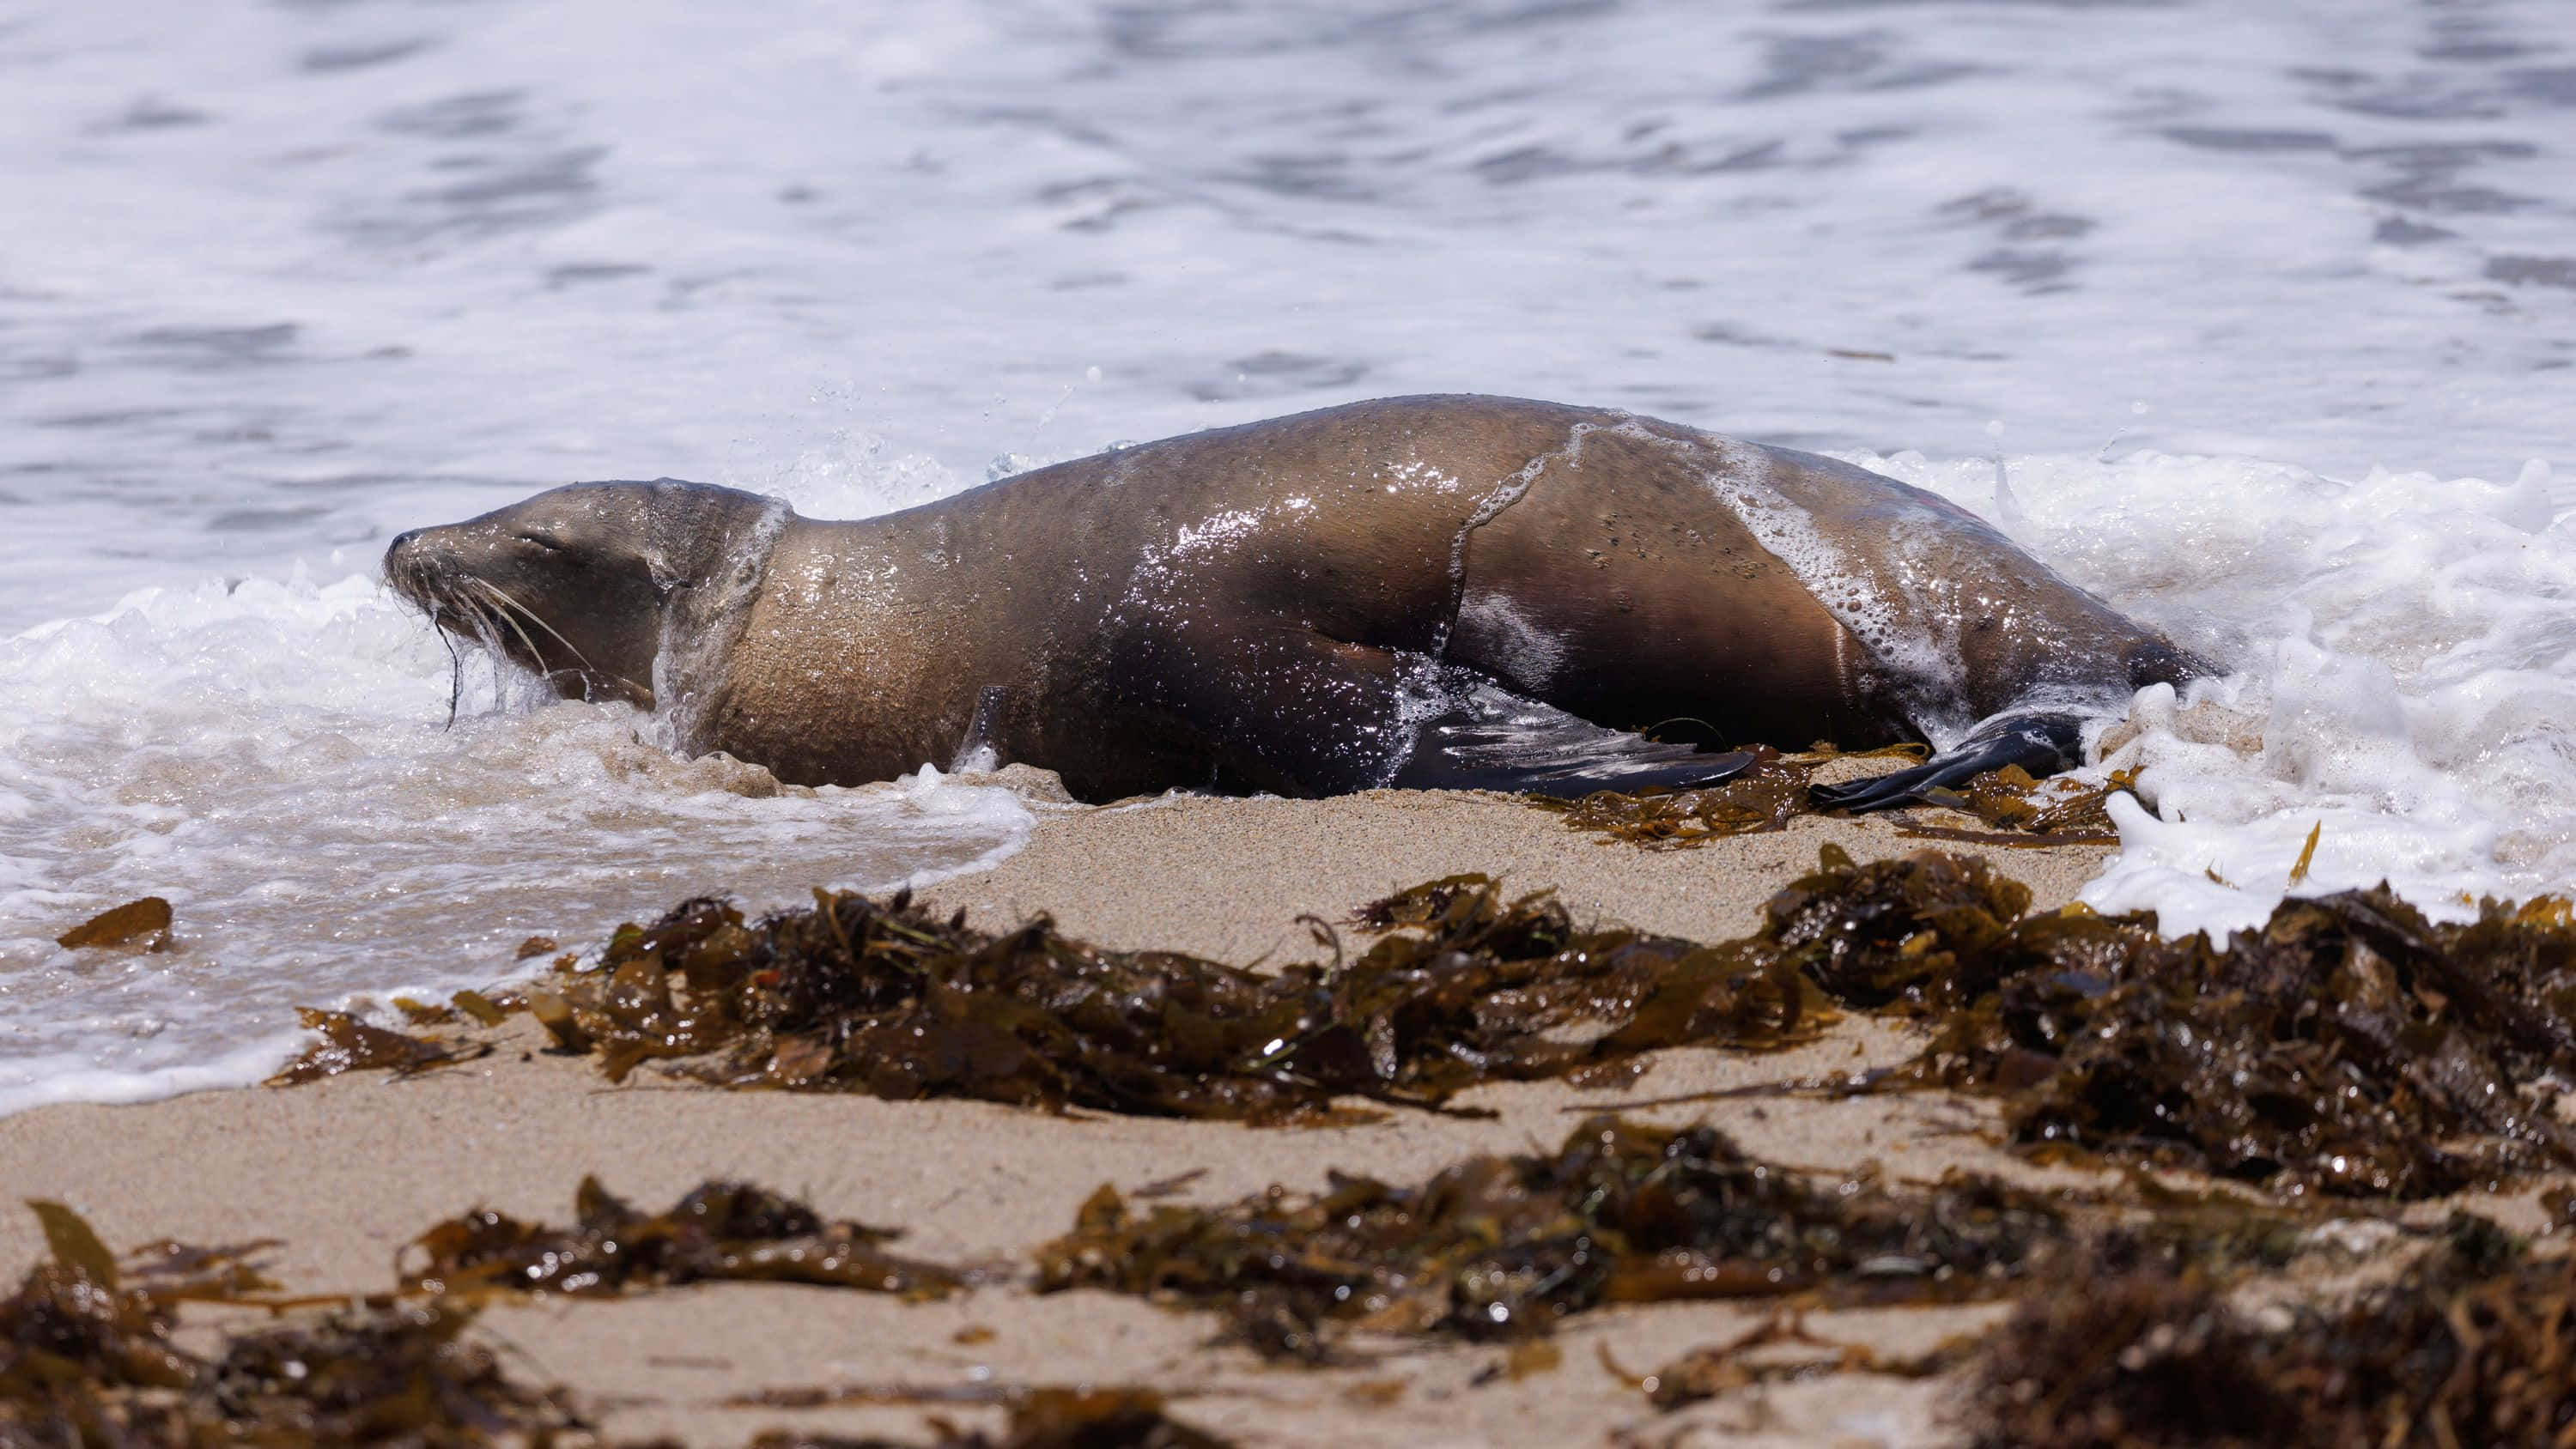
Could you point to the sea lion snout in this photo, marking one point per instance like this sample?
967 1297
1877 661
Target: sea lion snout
437 569
410 570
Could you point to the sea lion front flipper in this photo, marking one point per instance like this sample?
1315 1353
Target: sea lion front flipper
1490 739
2043 744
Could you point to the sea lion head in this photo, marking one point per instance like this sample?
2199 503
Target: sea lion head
583 584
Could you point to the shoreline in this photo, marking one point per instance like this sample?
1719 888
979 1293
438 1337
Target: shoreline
346 1171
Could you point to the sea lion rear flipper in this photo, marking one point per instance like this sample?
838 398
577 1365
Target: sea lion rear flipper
1489 739
2043 744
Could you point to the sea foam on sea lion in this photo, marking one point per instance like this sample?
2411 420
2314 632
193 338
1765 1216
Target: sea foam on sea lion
1434 591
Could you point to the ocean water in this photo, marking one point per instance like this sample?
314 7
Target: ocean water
2258 319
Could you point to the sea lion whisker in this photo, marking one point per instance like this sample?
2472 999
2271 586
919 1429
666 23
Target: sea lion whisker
533 617
486 626
455 616
474 621
478 620
512 611
455 677
509 615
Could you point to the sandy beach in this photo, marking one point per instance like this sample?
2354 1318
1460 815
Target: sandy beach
345 1172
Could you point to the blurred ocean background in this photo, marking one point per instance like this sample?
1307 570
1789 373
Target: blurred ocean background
2258 319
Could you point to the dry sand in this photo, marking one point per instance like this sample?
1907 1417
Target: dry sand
346 1172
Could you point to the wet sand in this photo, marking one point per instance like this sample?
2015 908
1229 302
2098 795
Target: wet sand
345 1172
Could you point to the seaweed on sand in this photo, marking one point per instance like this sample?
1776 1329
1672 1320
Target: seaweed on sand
1916 933
1766 797
1040 1418
2468 1346
87 1358
401 1373
348 1044
853 995
721 1230
2058 810
1505 1247
2020 810
1705 1373
88 1355
2348 1046
72 1329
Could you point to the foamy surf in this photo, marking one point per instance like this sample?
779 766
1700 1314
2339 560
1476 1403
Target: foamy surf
2404 667
271 758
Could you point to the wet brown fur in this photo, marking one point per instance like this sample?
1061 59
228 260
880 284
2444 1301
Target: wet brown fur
1235 608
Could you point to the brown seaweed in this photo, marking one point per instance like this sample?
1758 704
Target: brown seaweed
2058 810
72 1330
400 1373
1040 1418
2468 1346
719 1231
1705 1373
172 1272
888 999
87 1357
1506 1247
2348 1046
146 922
2021 811
1766 797
1909 933
350 1045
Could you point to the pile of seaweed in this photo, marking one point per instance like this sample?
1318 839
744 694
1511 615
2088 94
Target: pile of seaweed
87 1357
2010 799
718 1231
2470 1345
853 995
2021 811
1040 1418
2347 1046
1506 1247
88 1354
2027 813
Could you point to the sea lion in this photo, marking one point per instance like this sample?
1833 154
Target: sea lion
1416 591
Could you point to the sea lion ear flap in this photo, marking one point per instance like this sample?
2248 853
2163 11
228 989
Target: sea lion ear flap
653 550
684 521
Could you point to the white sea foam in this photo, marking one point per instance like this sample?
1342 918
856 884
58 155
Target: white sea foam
271 758
2404 650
